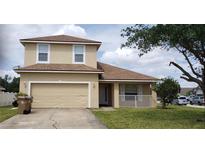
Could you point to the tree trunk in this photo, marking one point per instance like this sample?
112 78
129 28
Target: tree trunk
203 80
163 104
204 95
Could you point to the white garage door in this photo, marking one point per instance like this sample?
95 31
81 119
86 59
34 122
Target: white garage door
59 95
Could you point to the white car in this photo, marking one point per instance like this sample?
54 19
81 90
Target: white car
182 100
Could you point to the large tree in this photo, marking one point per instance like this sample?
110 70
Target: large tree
189 40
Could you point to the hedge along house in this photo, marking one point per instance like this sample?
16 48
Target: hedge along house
62 72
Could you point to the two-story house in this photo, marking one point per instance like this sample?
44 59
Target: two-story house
62 71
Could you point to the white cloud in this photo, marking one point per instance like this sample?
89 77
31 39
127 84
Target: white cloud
155 63
8 72
119 56
129 56
71 30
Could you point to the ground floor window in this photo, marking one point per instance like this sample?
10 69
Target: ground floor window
130 89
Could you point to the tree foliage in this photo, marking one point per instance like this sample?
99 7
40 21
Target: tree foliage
189 40
167 90
9 83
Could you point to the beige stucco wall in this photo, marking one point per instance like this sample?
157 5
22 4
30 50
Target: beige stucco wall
93 78
30 54
91 56
60 53
116 94
154 99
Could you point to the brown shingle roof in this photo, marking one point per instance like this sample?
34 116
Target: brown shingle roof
109 72
61 38
58 67
116 73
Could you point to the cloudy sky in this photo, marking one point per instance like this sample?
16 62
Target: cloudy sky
156 63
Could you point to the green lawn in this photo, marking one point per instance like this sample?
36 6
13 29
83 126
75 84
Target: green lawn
173 117
7 112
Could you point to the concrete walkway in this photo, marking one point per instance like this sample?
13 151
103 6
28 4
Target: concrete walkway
54 119
195 106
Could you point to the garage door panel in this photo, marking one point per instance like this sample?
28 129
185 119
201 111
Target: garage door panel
61 101
61 88
60 95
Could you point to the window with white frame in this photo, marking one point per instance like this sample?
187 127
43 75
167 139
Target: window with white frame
43 53
79 54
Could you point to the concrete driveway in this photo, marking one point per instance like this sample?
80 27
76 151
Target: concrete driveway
54 119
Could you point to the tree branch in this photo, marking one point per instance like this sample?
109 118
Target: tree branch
189 62
189 77
185 78
196 53
191 66
202 46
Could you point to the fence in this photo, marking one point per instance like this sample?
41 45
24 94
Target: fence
135 100
6 98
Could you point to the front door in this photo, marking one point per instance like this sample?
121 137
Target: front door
104 92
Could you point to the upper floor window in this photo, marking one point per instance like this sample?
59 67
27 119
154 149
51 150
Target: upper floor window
79 54
43 53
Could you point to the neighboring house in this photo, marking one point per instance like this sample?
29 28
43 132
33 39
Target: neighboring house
62 71
186 91
197 91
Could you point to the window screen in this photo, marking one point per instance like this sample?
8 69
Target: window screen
130 89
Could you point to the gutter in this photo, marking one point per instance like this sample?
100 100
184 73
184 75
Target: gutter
28 71
58 42
122 80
